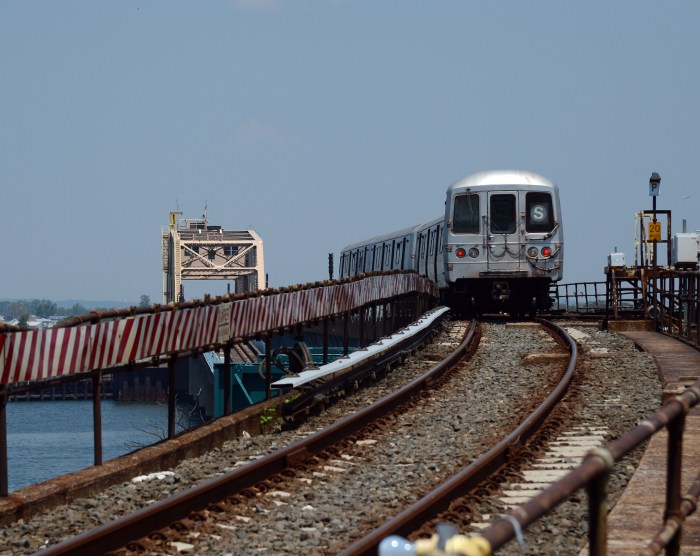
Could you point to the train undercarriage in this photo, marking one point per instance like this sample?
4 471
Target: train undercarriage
514 296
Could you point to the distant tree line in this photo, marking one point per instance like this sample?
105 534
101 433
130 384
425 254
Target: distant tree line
38 307
44 308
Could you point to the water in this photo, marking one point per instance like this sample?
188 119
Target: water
46 439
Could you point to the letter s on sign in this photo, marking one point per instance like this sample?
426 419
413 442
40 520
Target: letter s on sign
538 213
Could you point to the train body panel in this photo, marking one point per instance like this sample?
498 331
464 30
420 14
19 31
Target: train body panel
498 246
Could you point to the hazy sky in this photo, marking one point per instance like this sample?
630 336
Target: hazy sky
321 123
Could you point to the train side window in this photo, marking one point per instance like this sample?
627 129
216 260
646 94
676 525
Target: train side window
387 256
465 218
502 214
539 214
397 259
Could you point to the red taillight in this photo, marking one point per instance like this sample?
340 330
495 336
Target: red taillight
461 253
546 251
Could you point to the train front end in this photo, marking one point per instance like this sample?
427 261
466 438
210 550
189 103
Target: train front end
504 244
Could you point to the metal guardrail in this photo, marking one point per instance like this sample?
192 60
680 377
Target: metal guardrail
579 297
592 475
91 345
679 305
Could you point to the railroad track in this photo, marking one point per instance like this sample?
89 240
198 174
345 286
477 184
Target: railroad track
310 508
223 505
249 479
418 515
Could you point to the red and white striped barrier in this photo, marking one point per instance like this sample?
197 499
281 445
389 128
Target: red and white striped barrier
55 352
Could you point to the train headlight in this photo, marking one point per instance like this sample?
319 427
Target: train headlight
460 253
532 252
546 251
473 252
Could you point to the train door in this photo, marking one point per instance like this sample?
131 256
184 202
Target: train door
503 238
404 244
430 239
398 244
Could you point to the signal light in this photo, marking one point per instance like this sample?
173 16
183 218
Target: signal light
473 252
460 253
546 251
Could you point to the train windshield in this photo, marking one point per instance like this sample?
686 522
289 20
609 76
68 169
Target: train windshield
539 212
466 214
502 214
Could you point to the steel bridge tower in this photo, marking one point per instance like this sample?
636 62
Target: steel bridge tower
194 250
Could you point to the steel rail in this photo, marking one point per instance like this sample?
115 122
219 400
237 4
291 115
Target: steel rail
120 532
598 463
470 476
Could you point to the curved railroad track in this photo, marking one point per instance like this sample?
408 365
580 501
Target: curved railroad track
253 478
321 504
478 471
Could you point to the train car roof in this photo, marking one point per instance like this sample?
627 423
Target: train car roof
391 235
502 177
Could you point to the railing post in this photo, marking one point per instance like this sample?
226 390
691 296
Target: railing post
696 309
227 378
268 366
374 323
362 317
3 442
97 416
597 490
673 479
325 341
346 319
385 318
172 362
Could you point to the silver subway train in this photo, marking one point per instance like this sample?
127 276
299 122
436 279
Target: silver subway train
498 247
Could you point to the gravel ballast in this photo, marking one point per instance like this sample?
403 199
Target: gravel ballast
324 509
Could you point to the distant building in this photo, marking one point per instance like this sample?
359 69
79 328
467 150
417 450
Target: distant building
195 250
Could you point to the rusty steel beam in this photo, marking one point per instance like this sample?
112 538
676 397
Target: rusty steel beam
97 416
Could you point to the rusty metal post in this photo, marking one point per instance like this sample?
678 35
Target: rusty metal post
325 341
268 366
696 304
346 323
172 409
362 317
227 378
374 323
3 442
673 479
97 416
385 318
597 490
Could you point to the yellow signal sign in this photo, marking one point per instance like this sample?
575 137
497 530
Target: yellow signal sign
654 231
